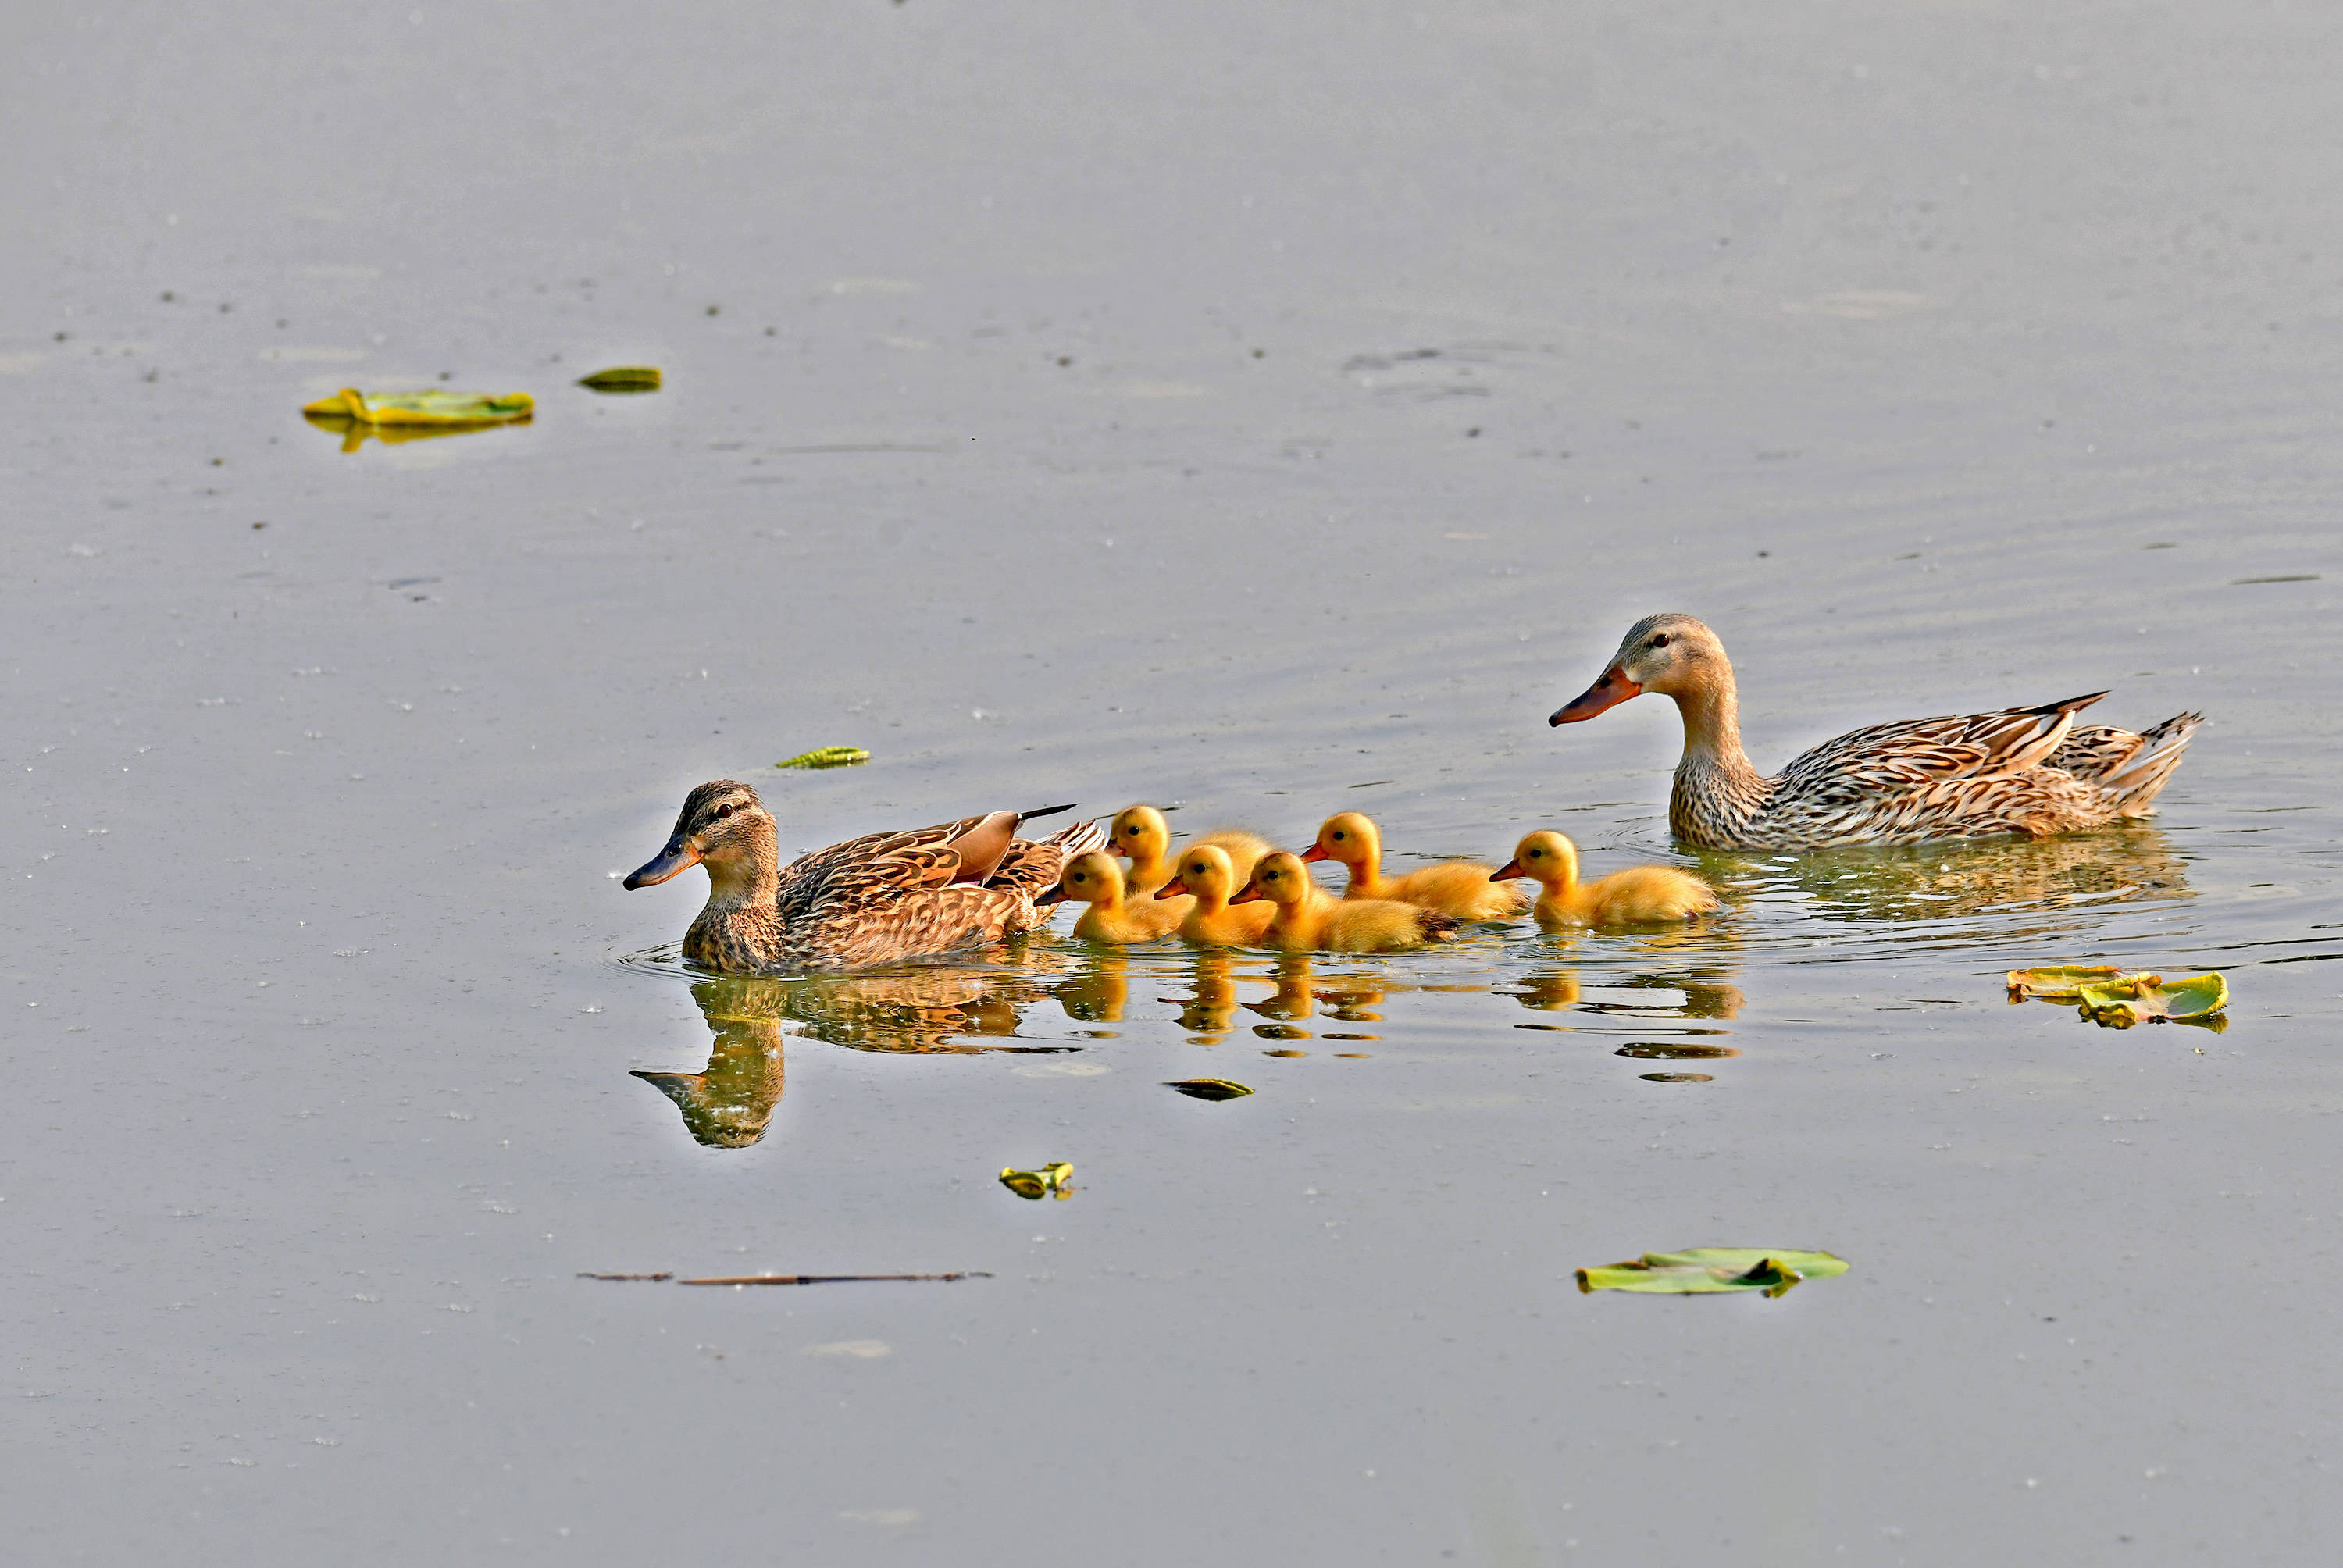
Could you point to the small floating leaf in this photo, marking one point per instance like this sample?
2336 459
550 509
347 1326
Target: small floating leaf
1709 1271
1209 1088
2151 998
2059 982
352 406
623 378
1057 1177
828 757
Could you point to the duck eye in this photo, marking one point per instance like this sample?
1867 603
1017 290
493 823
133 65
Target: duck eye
1661 641
724 810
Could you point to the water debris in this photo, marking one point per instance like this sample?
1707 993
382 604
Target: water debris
828 757
623 378
441 409
828 1279
1209 1088
1677 1077
665 1275
1056 1179
1712 1271
2058 982
2152 998
2118 999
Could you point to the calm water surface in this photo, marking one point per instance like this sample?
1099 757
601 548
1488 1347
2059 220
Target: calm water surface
1258 411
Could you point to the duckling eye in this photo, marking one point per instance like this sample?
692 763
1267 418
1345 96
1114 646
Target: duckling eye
1338 838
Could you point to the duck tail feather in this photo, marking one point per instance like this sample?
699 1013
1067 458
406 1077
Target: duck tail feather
1025 817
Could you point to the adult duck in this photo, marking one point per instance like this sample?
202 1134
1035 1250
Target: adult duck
876 900
2021 770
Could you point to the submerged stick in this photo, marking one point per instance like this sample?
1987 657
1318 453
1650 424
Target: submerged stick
584 1275
828 1279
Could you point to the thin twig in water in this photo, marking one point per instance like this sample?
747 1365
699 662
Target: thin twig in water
828 1279
584 1275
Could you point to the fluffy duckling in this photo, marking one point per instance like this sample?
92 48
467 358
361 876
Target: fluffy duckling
1640 895
1095 880
1464 888
1141 836
1309 920
1206 873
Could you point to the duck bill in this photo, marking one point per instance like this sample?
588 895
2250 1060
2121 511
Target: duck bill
680 855
1315 852
1507 872
1174 888
1607 693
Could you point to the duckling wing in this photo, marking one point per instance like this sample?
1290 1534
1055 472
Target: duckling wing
1890 759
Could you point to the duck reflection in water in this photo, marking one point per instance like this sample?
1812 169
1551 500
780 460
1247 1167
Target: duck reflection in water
728 1103
2129 864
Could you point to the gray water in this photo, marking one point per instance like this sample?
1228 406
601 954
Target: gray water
1269 410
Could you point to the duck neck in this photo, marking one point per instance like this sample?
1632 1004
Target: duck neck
1712 726
1565 884
740 921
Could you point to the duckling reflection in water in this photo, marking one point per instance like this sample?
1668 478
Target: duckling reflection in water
1210 1009
1099 990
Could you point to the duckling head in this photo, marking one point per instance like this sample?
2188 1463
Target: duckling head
1139 834
1671 654
1350 837
1279 878
1205 871
723 826
1546 856
1091 877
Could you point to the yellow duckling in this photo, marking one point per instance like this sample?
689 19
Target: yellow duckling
1206 873
1309 920
1141 836
1095 880
1640 895
1464 888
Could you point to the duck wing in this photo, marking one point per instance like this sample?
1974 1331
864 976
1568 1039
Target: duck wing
906 858
1030 868
1916 754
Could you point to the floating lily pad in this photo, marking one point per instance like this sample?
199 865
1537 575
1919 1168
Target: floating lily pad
1709 1271
828 757
2151 998
2059 982
1057 1177
445 409
623 378
1209 1088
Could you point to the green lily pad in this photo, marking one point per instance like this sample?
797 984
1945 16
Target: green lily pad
1711 1270
2059 982
1057 1179
2151 998
623 378
828 757
352 406
1209 1088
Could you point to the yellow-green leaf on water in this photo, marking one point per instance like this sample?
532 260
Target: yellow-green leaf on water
1209 1088
828 757
1056 1177
623 378
2151 998
351 406
2059 982
1711 1270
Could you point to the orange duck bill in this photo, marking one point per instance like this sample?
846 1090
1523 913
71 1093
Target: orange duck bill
1609 692
680 855
1174 888
1511 868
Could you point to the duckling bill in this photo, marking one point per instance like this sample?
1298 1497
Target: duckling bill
880 898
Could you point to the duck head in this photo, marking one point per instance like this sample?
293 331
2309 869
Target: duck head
1091 877
1279 878
1141 835
1350 838
1205 871
1545 856
1671 654
723 826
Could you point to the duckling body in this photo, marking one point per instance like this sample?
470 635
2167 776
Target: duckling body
880 898
1310 919
1113 916
1206 873
1457 888
2028 772
1640 895
1139 834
